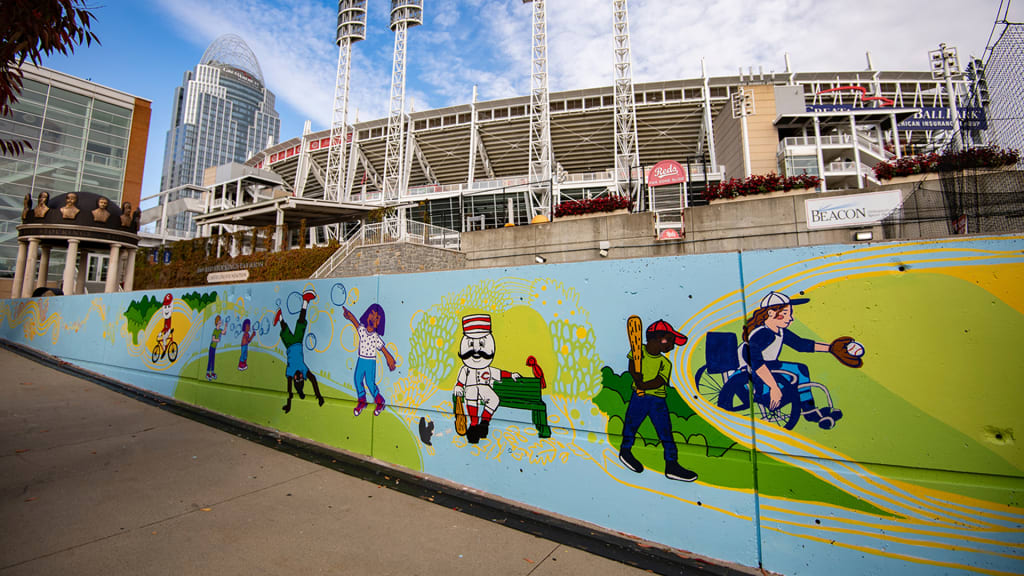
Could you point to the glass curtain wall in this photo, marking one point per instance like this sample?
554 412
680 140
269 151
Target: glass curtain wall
77 143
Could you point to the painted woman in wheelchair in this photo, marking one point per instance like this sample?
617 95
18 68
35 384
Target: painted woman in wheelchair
764 334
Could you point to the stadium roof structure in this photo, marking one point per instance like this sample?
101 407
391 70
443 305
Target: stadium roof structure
670 120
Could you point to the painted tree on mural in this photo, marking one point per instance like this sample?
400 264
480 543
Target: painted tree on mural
139 313
32 28
687 425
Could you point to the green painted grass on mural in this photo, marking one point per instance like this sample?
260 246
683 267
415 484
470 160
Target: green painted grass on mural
258 394
716 459
917 342
915 337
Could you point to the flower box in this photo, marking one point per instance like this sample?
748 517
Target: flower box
773 194
591 215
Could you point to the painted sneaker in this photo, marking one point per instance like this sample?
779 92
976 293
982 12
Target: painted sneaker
243 367
378 405
309 295
277 317
630 461
673 471
359 407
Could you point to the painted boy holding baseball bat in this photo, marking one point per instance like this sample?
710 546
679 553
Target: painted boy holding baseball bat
651 372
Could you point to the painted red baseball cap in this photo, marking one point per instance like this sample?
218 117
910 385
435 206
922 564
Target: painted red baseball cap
662 326
168 299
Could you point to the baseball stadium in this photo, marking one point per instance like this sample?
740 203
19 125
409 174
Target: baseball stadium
490 164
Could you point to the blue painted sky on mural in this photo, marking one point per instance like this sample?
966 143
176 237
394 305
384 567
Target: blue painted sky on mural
147 45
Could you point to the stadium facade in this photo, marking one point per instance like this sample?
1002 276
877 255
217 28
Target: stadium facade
222 113
84 138
466 165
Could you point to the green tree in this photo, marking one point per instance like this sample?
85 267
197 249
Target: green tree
32 28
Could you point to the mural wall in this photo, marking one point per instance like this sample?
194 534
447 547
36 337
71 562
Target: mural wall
845 406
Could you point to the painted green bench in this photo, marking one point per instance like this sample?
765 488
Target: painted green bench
524 394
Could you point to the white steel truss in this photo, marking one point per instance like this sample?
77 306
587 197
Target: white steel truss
351 28
403 15
626 147
540 191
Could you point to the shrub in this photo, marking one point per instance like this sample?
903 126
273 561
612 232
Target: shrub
593 205
759 185
949 161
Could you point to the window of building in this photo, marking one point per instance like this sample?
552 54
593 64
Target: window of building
97 268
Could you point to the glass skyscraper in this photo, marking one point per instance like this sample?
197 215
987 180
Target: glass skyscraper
222 113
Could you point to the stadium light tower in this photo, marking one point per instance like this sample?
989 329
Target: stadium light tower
946 65
404 14
540 185
351 28
627 152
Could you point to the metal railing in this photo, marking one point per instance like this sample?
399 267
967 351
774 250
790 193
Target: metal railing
390 232
863 143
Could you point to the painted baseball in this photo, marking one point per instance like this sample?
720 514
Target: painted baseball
855 349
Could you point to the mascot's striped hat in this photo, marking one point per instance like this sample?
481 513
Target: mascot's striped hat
476 325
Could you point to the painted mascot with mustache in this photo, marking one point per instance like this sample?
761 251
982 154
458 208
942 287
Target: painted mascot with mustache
476 377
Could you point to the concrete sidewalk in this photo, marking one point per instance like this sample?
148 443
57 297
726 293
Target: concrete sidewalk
93 481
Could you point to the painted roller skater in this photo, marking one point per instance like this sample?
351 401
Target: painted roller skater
370 328
296 370
247 337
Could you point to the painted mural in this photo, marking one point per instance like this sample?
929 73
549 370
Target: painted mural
853 407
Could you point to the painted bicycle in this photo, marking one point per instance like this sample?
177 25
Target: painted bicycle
168 349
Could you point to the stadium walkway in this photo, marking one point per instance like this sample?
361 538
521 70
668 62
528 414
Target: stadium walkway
96 480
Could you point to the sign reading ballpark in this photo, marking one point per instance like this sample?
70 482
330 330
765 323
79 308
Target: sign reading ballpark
971 117
852 210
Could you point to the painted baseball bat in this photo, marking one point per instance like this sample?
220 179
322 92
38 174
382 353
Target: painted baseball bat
460 417
634 329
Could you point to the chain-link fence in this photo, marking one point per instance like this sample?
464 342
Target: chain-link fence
978 201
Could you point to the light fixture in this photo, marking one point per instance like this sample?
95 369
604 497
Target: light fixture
604 246
863 235
604 253
540 259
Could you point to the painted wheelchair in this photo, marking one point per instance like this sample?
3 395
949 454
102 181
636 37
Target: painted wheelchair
722 382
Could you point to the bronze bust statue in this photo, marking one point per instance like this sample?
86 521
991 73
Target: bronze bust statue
101 214
41 207
126 215
70 209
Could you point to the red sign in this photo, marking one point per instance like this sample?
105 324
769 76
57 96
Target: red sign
666 172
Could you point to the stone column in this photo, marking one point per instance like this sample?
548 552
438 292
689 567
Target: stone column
44 267
68 283
30 269
129 270
115 259
19 269
83 271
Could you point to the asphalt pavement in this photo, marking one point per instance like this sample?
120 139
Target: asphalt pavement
96 478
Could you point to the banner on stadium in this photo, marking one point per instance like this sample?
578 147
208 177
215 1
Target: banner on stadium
928 118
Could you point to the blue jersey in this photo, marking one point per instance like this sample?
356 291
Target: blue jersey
295 361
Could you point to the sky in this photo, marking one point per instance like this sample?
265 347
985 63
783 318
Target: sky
147 45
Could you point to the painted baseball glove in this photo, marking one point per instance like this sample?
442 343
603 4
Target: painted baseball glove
841 350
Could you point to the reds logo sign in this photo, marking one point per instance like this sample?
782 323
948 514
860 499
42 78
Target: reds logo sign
666 172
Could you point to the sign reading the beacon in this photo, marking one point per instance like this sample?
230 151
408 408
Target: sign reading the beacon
854 210
666 172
